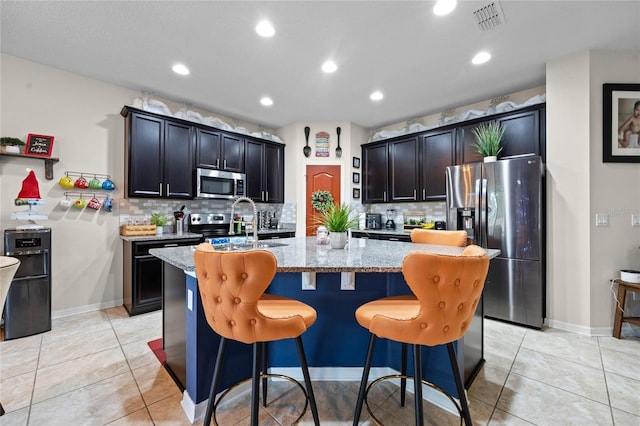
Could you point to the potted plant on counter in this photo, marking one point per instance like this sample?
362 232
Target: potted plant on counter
11 145
338 219
489 140
159 220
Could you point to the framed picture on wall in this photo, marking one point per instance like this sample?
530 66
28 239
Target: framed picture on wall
39 145
356 177
356 162
621 123
356 193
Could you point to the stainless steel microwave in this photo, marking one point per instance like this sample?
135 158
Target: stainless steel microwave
212 183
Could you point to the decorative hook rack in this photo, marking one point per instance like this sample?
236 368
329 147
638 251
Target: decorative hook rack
86 194
82 174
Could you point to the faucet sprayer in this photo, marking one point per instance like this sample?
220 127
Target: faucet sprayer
253 221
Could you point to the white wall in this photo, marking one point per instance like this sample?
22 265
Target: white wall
351 137
83 115
583 258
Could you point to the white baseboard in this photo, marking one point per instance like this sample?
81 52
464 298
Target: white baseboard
62 313
579 329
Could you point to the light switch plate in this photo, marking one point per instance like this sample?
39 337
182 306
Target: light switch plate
635 219
602 219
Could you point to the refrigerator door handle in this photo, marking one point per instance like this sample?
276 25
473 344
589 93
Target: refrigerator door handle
476 214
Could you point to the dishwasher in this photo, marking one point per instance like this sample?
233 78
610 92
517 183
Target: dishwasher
28 305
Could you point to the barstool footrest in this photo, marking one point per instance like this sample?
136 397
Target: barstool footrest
263 376
401 376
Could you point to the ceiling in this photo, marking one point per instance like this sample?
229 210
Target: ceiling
419 61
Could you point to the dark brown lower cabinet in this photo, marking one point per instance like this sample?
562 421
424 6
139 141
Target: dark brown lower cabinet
142 281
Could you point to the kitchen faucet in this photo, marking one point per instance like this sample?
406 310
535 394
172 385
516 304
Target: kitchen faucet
253 221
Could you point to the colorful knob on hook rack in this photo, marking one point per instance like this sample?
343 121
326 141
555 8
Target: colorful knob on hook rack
95 183
81 183
66 182
108 185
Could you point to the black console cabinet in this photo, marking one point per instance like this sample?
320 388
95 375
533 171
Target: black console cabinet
142 291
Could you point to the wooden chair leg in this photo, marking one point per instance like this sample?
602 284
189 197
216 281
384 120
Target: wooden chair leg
417 384
365 379
307 381
617 319
217 372
466 414
403 372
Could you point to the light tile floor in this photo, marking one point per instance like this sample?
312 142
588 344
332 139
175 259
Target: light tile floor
96 369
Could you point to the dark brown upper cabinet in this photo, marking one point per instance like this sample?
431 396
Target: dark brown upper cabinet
218 150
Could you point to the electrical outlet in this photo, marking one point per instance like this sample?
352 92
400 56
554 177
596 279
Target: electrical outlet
635 219
602 219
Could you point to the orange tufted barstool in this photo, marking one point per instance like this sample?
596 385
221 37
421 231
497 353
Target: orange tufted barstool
443 238
232 286
447 289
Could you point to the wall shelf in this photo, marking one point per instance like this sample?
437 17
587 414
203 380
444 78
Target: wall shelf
48 162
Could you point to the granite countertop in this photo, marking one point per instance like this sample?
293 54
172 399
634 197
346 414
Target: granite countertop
302 254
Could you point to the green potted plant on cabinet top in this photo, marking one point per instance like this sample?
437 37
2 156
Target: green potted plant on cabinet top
489 140
159 220
338 219
11 145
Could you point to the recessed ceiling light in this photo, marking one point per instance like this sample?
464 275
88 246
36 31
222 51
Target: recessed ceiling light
265 29
376 96
180 69
444 7
329 67
481 58
266 101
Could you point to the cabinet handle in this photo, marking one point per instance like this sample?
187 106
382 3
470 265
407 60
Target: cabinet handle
225 164
415 195
384 196
217 163
261 195
170 245
167 194
160 189
424 194
266 198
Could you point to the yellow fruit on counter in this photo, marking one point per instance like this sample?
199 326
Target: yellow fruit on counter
429 225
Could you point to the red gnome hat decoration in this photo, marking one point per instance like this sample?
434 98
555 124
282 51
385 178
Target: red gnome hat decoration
30 189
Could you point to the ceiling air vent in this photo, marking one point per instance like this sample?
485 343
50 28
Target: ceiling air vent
489 16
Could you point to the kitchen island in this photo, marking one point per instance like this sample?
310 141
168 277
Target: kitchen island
335 283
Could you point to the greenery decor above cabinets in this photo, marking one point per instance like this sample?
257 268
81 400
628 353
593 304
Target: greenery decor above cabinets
159 157
264 165
218 150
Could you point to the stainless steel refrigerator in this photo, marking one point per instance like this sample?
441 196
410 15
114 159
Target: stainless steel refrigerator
501 206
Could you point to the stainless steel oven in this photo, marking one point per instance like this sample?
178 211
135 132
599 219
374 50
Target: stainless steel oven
212 183
28 305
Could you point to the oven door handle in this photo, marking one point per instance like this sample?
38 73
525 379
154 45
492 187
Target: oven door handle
26 253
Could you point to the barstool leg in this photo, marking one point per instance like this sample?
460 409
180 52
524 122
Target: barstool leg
307 381
255 384
217 372
417 383
466 415
403 372
365 379
264 371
